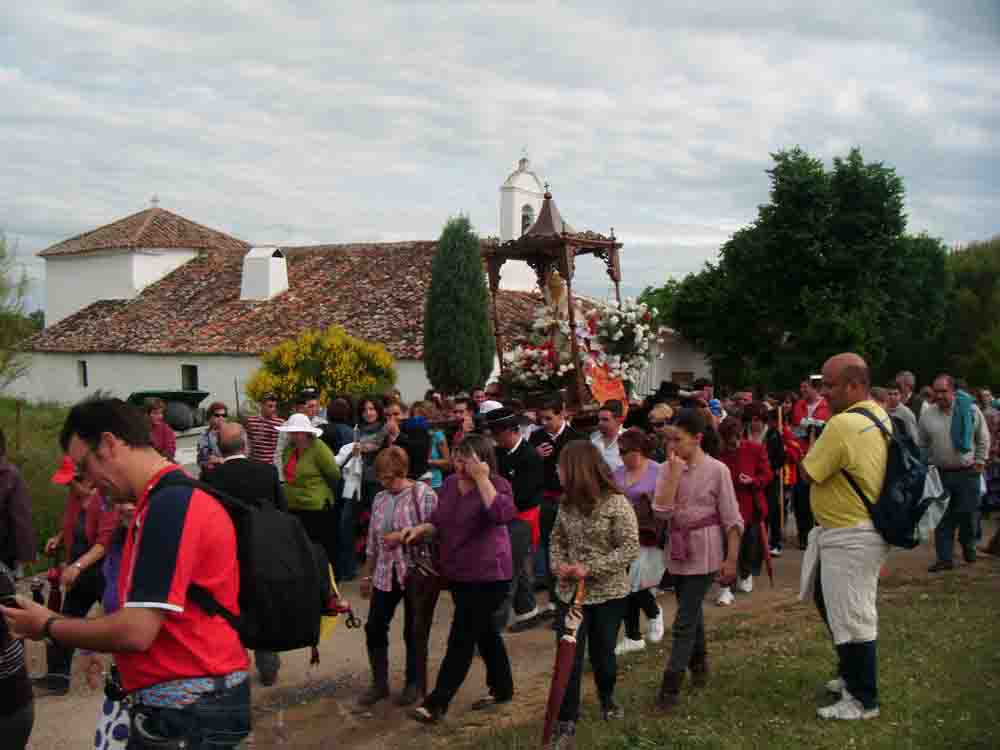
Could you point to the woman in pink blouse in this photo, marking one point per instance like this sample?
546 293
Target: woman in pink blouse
696 495
402 504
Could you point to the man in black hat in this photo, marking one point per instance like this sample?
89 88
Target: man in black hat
549 442
519 463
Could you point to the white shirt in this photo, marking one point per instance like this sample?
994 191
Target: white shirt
612 456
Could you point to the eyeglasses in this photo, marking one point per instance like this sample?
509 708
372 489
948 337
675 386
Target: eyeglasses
657 425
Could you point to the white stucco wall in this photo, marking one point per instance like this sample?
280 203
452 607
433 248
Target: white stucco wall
153 264
677 356
73 282
54 377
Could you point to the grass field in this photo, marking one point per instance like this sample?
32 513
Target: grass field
33 445
939 661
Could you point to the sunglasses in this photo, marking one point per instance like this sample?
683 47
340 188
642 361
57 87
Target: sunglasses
220 414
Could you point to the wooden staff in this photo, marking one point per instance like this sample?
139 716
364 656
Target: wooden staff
781 479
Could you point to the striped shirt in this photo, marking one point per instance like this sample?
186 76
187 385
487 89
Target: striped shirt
263 433
11 659
397 559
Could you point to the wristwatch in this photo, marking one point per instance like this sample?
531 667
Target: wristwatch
47 630
78 566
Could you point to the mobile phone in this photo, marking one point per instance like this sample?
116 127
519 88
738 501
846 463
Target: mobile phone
9 601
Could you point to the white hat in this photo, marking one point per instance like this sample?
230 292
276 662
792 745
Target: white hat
487 406
300 423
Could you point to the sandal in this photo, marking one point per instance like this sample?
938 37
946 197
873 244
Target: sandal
489 702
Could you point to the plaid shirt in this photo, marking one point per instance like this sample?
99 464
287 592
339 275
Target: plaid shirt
397 559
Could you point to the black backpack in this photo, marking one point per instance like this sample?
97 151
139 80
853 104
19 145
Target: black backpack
901 504
284 580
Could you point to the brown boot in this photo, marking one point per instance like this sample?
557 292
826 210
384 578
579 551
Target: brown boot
699 670
670 691
378 658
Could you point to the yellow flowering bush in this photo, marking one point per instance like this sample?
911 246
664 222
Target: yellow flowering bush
331 361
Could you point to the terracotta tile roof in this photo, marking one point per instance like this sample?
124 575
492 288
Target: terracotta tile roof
375 291
152 228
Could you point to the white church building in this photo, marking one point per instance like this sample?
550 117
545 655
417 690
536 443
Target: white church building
155 301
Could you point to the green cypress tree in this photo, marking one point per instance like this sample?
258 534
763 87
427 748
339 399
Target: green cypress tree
458 340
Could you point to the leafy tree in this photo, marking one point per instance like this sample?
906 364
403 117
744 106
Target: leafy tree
14 325
332 361
37 318
825 267
971 337
459 347
662 300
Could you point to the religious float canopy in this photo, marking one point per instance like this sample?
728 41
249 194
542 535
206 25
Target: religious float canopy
578 347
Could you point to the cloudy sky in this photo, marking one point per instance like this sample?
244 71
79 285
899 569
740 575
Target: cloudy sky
320 121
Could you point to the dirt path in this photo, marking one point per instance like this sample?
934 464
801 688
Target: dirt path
313 707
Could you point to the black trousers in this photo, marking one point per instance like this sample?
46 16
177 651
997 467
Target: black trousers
416 627
636 602
474 627
775 532
596 635
87 591
803 512
689 622
321 528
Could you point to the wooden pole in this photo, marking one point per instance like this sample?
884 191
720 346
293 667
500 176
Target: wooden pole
236 393
567 271
493 268
18 407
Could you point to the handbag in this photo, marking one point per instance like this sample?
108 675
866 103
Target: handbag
423 575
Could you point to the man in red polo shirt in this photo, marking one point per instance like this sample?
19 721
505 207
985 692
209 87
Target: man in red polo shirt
185 671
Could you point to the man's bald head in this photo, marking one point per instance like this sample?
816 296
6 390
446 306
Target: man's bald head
230 439
845 380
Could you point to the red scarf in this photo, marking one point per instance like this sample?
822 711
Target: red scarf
290 464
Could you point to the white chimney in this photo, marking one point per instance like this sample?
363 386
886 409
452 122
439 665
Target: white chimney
265 274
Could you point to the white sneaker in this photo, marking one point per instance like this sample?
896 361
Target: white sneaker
654 628
725 597
848 708
628 646
775 551
836 686
745 584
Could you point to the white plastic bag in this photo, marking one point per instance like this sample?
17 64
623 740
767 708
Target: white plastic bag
933 488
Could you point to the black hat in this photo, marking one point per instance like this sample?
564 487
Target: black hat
269 396
502 419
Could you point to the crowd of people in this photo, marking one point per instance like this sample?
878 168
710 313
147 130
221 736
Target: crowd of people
516 511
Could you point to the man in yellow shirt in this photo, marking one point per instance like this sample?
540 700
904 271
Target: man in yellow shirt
845 551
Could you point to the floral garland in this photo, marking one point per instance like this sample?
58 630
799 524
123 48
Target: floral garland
616 337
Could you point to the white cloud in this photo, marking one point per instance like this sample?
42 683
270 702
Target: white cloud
334 122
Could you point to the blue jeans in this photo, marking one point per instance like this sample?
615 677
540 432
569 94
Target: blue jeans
963 486
217 720
345 567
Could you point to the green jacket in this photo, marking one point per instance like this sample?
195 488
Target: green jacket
316 473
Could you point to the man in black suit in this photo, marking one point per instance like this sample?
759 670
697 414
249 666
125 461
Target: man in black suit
549 442
252 482
519 463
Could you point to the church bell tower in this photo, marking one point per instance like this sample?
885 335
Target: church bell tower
521 198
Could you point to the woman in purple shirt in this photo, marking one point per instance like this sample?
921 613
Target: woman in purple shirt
474 504
637 477
695 493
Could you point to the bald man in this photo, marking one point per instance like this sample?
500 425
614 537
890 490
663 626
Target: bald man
845 551
253 482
